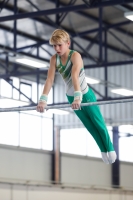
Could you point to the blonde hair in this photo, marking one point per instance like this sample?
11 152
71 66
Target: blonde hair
58 36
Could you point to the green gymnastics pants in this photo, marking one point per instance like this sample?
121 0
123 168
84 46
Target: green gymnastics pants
93 120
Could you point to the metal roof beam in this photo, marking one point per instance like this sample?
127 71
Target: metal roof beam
19 91
61 10
41 41
56 25
73 33
11 50
108 64
23 34
107 25
18 74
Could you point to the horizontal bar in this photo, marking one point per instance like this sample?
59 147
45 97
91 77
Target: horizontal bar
60 106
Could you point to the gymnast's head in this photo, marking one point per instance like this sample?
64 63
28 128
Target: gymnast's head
59 36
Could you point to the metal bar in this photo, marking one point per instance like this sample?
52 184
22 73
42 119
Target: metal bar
85 52
57 17
43 12
100 34
23 11
15 26
127 22
91 43
3 65
123 43
62 17
96 91
37 77
57 155
22 34
73 35
76 34
53 154
88 3
108 25
61 10
116 165
8 7
66 105
7 64
2 4
9 49
128 7
50 54
86 32
18 74
19 91
15 30
109 64
109 46
106 67
31 46
58 26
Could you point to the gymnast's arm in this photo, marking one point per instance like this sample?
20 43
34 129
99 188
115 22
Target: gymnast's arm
48 84
77 65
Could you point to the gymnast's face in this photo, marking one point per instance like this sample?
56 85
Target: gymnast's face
61 48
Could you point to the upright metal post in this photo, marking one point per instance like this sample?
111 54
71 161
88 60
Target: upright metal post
7 64
100 34
116 165
37 76
56 158
15 25
57 15
106 67
53 155
15 33
72 45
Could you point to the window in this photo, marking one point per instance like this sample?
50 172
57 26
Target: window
15 92
28 128
6 89
79 141
9 128
27 90
30 131
47 134
73 141
126 143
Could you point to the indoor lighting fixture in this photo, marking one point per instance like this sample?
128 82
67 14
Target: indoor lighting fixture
7 103
25 60
92 80
122 91
58 111
129 15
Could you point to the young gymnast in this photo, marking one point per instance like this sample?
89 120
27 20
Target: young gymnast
70 65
